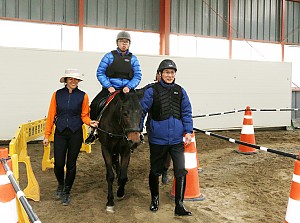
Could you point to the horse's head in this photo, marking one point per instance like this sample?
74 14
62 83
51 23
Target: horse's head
130 116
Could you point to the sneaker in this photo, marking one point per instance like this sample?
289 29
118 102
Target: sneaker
66 199
90 139
59 191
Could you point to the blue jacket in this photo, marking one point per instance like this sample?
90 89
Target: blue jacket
118 83
171 130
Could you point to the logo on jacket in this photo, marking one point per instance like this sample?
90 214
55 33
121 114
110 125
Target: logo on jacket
126 60
176 92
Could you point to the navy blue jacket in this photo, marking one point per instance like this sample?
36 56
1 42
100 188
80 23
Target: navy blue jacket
171 130
68 109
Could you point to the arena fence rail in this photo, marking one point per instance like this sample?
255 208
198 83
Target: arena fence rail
249 144
242 110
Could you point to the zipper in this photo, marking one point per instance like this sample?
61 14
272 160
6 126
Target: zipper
68 110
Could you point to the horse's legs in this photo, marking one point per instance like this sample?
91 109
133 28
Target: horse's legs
125 158
116 164
109 178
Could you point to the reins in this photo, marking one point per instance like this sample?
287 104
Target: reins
110 134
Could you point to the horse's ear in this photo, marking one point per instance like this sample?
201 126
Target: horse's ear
140 92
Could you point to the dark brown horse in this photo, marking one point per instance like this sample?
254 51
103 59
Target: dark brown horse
119 133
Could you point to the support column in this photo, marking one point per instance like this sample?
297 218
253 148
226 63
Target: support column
230 28
282 38
80 23
164 24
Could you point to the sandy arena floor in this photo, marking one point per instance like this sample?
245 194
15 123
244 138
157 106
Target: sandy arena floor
237 188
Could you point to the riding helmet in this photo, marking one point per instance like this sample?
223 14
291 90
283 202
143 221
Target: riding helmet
167 64
123 35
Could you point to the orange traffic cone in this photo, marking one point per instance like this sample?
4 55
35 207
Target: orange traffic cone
8 204
292 212
198 163
192 190
247 134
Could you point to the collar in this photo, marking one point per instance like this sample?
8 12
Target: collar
120 52
165 85
74 90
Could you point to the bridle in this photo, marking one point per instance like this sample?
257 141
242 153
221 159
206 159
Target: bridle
110 134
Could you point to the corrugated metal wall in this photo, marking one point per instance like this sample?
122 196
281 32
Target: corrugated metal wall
208 18
131 14
292 22
257 19
252 19
63 11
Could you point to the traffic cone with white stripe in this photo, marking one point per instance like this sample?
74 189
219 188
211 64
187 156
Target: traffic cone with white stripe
247 134
192 190
292 212
198 160
8 204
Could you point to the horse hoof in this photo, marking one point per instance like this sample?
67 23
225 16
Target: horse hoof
110 209
120 198
120 193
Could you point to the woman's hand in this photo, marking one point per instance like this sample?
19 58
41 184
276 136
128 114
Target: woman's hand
94 123
46 142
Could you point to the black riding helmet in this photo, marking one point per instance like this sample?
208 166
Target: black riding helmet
167 64
123 35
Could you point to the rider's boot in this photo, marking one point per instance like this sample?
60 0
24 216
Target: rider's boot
91 137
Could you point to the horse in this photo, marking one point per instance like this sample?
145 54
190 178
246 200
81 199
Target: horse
119 134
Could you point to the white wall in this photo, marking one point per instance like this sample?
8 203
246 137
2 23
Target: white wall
29 77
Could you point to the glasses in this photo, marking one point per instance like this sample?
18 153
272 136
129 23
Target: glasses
169 72
124 41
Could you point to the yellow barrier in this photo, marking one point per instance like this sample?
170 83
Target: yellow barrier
18 145
84 147
48 163
18 151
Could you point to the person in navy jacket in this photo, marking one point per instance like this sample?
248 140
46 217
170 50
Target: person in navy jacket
68 110
118 70
165 173
170 118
